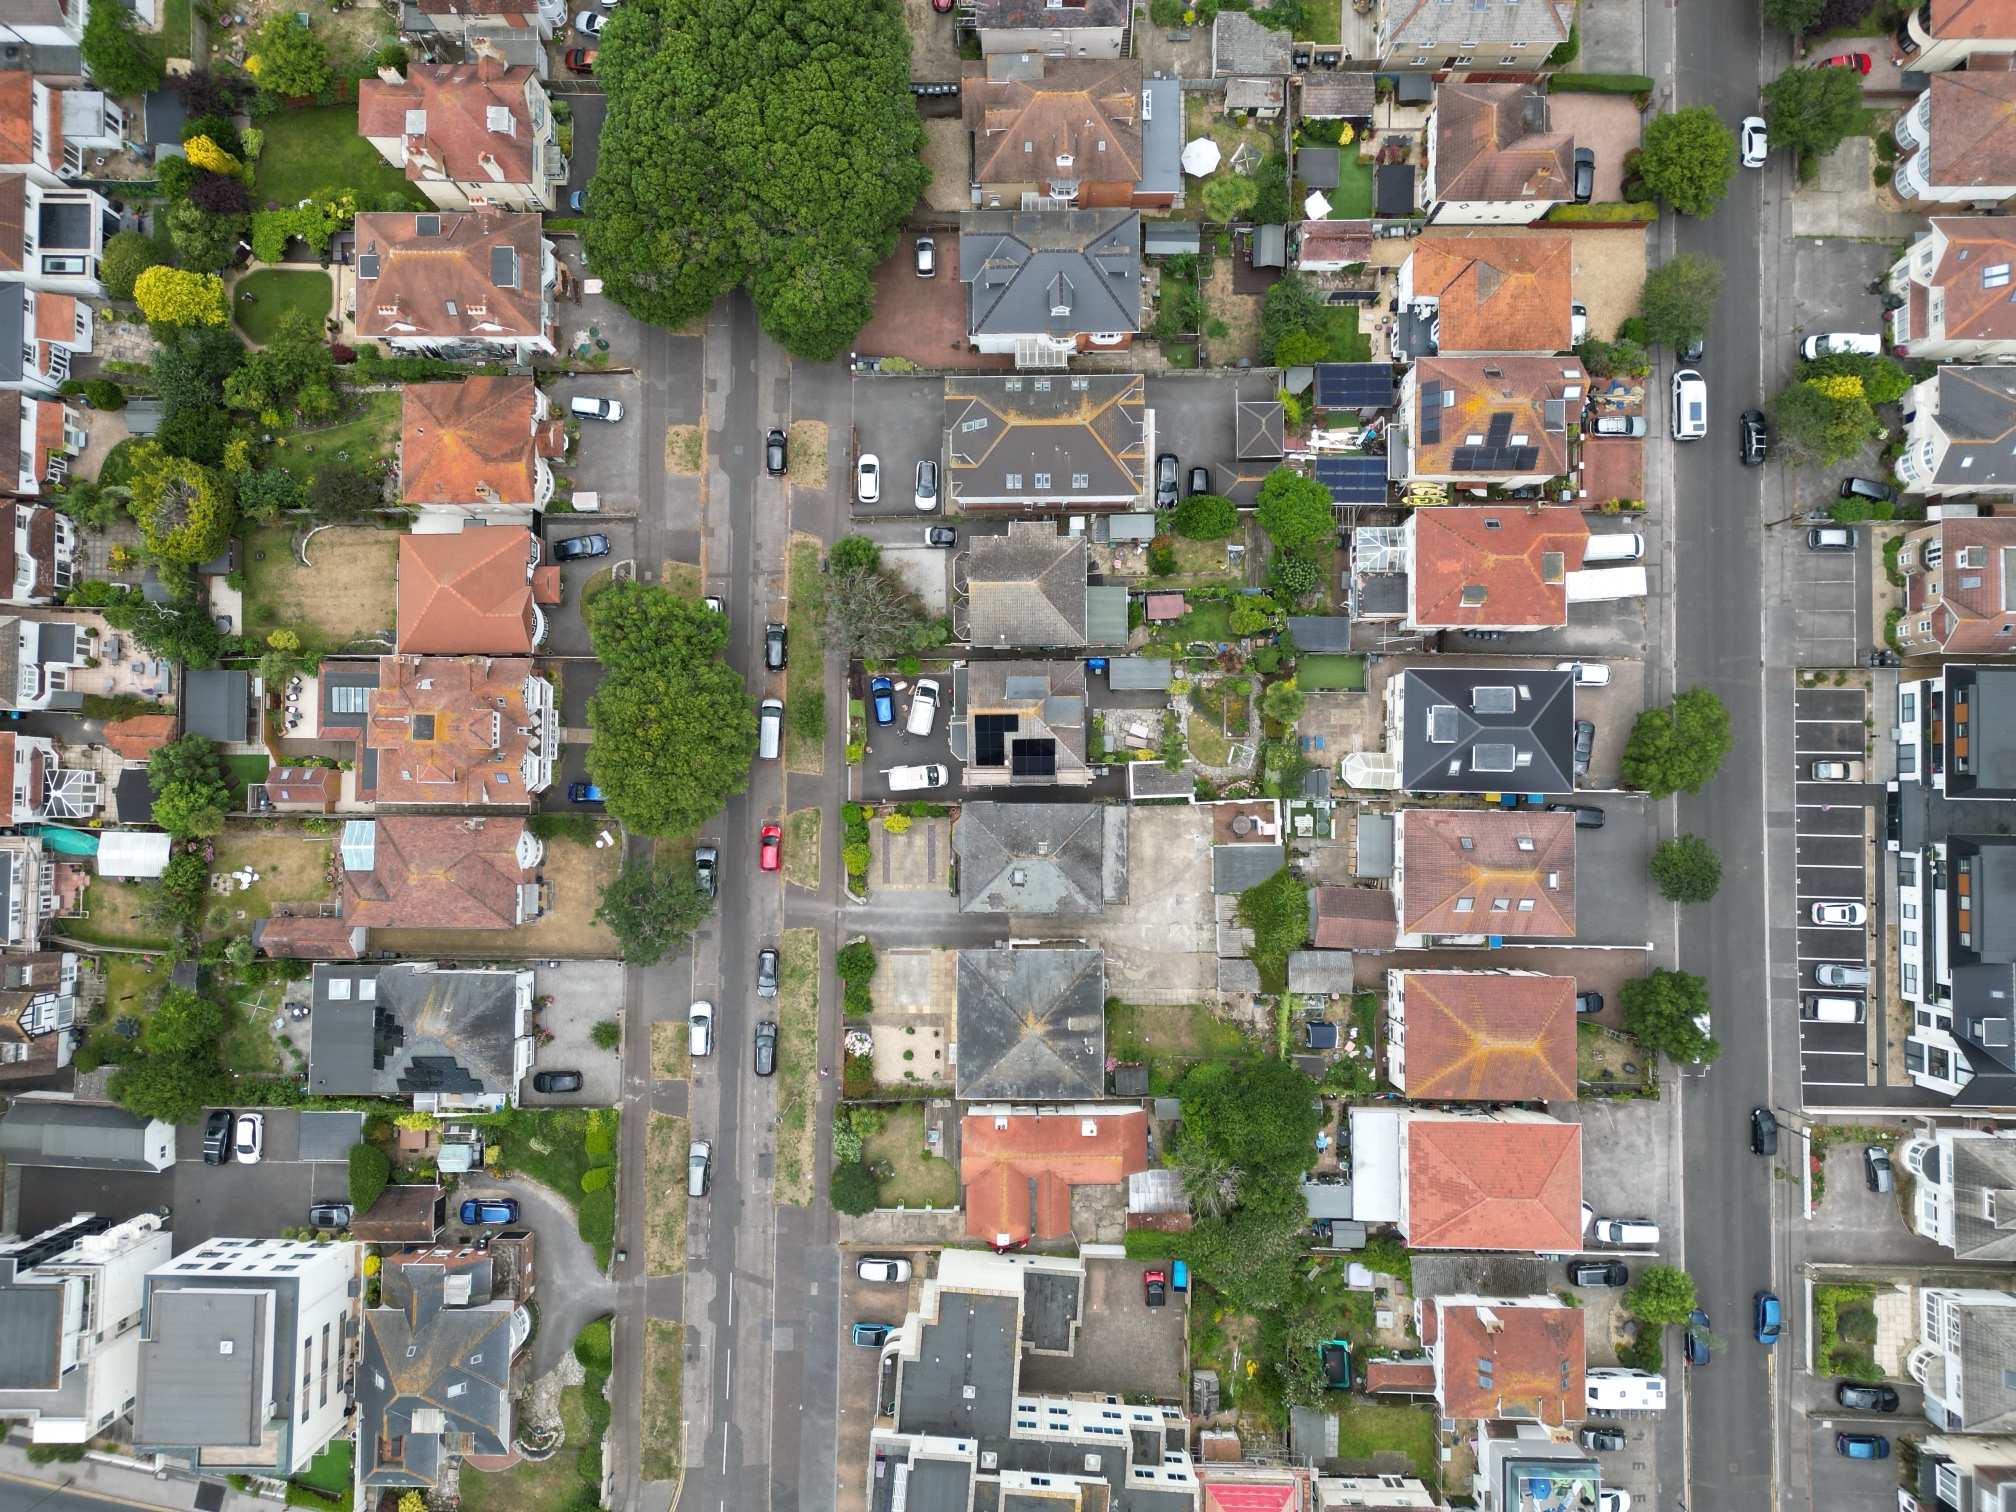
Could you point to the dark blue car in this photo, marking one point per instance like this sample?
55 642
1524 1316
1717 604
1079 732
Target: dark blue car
1862 1445
882 698
1766 1319
583 792
490 1210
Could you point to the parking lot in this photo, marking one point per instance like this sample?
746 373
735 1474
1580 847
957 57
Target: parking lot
901 421
607 458
1837 1481
1830 829
566 632
1124 1345
860 1375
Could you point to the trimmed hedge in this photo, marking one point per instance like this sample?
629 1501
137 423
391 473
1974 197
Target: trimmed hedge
592 1346
370 1169
595 1221
595 1178
1618 211
1598 83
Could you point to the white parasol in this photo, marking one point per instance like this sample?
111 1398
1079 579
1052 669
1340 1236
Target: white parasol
1316 207
1200 157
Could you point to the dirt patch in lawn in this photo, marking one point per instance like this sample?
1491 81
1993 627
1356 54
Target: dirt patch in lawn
1240 312
918 1178
685 448
801 847
664 1429
575 876
669 1057
290 864
665 1140
805 671
797 1062
808 454
349 592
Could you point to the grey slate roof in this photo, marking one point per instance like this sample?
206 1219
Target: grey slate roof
192 1393
1981 1165
1046 441
1241 45
218 703
1977 413
1032 1024
1453 718
1234 868
1260 423
1040 858
1035 15
446 1370
1987 1369
1054 272
1237 974
13 323
94 1136
1327 971
1457 1275
391 1031
1026 588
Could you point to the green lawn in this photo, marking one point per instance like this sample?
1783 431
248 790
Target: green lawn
1322 22
921 1179
248 1047
172 41
113 907
553 1485
261 298
330 1470
318 148
1324 672
1347 342
245 772
1365 1427
362 439
117 468
1208 621
1352 198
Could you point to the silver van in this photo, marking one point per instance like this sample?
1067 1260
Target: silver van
1618 546
1840 974
770 729
1830 1010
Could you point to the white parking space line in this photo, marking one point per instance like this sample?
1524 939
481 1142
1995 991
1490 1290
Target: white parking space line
1817 1050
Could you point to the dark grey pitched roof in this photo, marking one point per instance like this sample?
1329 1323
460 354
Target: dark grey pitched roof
1032 1024
1037 15
392 1031
1234 868
1063 441
428 1369
1168 238
1058 272
1260 423
1977 412
1026 588
13 323
133 797
1987 1368
1487 730
1323 971
1040 858
218 703
1982 1165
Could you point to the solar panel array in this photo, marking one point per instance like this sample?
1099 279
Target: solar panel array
1429 413
1034 757
1498 453
1354 385
1353 480
990 738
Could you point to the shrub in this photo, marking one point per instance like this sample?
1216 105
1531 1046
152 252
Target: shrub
370 1169
595 1178
606 1035
852 1189
104 394
1161 556
1206 517
593 1346
855 962
1292 576
55 1454
595 1220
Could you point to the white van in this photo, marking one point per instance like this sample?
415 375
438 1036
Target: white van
1830 1010
1690 405
589 407
909 779
1641 1232
770 729
1618 546
923 707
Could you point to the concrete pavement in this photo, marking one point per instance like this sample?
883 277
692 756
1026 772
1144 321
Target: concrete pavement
100 1481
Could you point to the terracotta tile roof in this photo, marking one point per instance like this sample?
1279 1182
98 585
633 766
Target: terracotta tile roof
1088 112
471 117
1453 889
1499 405
1496 293
1492 143
48 434
136 739
1972 18
17 117
1354 918
998 1167
1247 1496
13 222
311 937
1477 1036
1340 241
1484 1184
447 729
1400 1377
299 787
1519 557
546 585
1166 606
1536 1362
1972 136
1613 467
55 314
439 872
1972 279
474 442
1974 610
489 265
467 594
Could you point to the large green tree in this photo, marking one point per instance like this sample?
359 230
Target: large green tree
1811 423
1661 1295
1679 298
185 509
1253 1118
120 63
653 909
674 730
295 370
1292 312
1686 869
870 613
1295 511
1688 158
192 759
1809 110
772 144
1793 15
191 369
1679 746
168 1088
288 58
127 255
1668 1010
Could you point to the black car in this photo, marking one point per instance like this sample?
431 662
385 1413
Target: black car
329 1215
1763 1132
1585 745
766 973
1588 1002
1200 480
217 1137
556 1081
1165 480
941 535
1585 175
766 1048
576 547
1598 1273
1690 351
1868 488
1858 1397
1753 438
773 646
1697 1337
776 454
1605 1440
706 863
1587 815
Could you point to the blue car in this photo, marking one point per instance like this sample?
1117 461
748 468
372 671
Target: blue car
490 1210
583 792
873 1335
882 696
1862 1445
1767 1319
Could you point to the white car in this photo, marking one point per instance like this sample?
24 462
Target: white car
1755 143
1853 343
923 708
868 478
1578 323
1837 771
876 1269
927 485
1845 914
590 23
1613 1499
250 1138
700 1027
1587 674
1690 405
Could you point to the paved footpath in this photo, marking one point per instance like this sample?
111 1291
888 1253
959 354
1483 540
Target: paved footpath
100 1476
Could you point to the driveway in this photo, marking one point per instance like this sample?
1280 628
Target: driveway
608 459
566 1286
923 320
566 633
1607 125
1194 415
589 109
584 993
902 421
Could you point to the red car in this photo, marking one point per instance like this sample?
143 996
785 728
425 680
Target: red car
1860 62
772 855
1154 1288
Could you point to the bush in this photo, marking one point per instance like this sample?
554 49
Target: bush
855 962
1598 83
1161 557
1206 517
595 1178
606 1035
104 394
370 1169
1293 576
55 1454
595 1220
852 1189
1686 869
593 1346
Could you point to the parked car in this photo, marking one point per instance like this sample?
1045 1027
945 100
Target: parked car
1858 1396
923 708
875 1268
1618 425
927 257
706 863
766 1048
1840 914
907 779
577 200
249 1138
770 848
1696 1337
1856 343
590 23
1642 1233
699 1167
1690 405
576 547
1155 1288
868 478
774 646
1876 1168
1754 141
217 1137
1603 1440
1832 538
1587 674
1585 745
556 1081
589 407
872 1335
715 602
766 972
1868 488
700 1027
1587 815
927 484
1588 1002
1860 62
1578 322
882 700
482 1210
581 60
1585 175
583 792
940 535
330 1215
1200 480
1690 351
1763 1132
1613 1499
1869 1446
1598 1273
1837 771
1765 1319
1840 974
1753 438
776 453
1165 480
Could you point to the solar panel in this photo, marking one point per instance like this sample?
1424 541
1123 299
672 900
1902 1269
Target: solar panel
1354 385
1490 459
1034 758
1430 414
1499 433
1353 480
990 738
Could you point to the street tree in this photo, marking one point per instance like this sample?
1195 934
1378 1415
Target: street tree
1662 1294
1679 298
1688 158
1295 511
1809 110
1822 421
1793 15
1680 746
653 909
1668 1011
1686 869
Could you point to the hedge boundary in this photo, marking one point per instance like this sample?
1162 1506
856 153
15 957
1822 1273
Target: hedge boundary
1598 83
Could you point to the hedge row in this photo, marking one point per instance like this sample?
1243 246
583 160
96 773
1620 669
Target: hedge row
1617 211
1598 83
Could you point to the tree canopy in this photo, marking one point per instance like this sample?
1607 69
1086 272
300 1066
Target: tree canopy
1823 420
1679 298
288 58
1661 1295
1686 869
184 509
1206 517
1688 158
120 63
1793 15
1668 1010
1292 311
1809 110
674 730
869 612
1253 1117
170 296
1295 510
127 255
1679 746
653 909
772 144
174 1073
294 370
